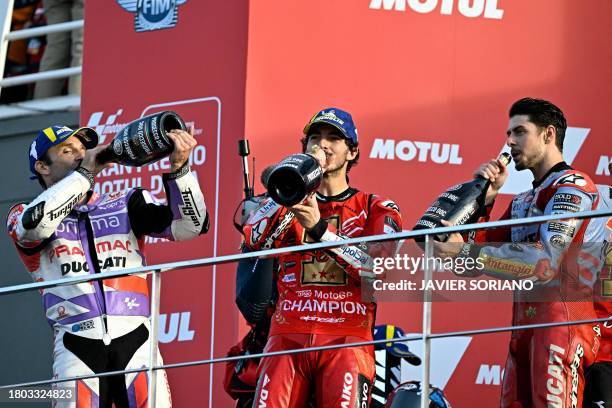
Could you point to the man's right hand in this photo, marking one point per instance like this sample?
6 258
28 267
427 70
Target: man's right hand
497 173
90 163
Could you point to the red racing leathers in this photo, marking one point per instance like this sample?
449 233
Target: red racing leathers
603 286
598 390
546 366
322 300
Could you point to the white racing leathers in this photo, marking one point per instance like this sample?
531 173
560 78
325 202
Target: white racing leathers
103 325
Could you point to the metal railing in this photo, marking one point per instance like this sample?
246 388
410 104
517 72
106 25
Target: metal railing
426 336
6 35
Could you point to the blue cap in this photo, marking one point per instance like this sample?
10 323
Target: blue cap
54 135
338 118
397 348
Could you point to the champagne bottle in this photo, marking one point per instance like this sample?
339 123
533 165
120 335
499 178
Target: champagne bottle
295 177
460 204
143 141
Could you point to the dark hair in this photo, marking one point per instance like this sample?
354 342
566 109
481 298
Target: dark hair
542 113
47 160
352 147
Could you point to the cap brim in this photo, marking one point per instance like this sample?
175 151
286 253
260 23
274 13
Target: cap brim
400 350
327 122
87 136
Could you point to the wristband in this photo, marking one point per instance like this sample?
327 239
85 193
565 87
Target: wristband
184 169
87 174
318 230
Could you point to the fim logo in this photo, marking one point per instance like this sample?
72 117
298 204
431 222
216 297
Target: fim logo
152 14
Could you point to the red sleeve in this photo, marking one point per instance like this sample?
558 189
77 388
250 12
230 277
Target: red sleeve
384 218
267 226
29 252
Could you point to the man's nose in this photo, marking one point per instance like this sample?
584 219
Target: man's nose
324 143
510 141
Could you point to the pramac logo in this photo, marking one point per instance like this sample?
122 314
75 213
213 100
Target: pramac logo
152 14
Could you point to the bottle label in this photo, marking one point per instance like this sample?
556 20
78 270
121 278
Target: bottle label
140 133
128 148
450 196
426 223
437 211
455 187
118 147
156 135
469 211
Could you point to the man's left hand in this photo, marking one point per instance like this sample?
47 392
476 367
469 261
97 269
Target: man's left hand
307 213
184 143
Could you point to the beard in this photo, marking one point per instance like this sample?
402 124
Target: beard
520 166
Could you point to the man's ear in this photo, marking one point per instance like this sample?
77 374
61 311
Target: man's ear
41 167
352 153
551 134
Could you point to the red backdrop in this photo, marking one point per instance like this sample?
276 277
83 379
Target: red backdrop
417 75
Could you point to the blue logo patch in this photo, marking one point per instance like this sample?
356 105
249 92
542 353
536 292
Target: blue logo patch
289 278
152 15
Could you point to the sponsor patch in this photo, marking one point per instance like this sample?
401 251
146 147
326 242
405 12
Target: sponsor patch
578 354
264 393
189 209
86 325
567 198
565 208
290 277
65 208
33 215
562 228
257 231
575 179
557 241
363 390
555 382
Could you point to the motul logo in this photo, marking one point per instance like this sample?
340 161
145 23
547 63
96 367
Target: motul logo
175 326
467 8
408 150
490 374
603 166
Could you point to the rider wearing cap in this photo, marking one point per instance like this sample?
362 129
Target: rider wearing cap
320 298
70 231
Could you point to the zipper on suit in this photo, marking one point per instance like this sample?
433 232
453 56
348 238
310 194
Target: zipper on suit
93 256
